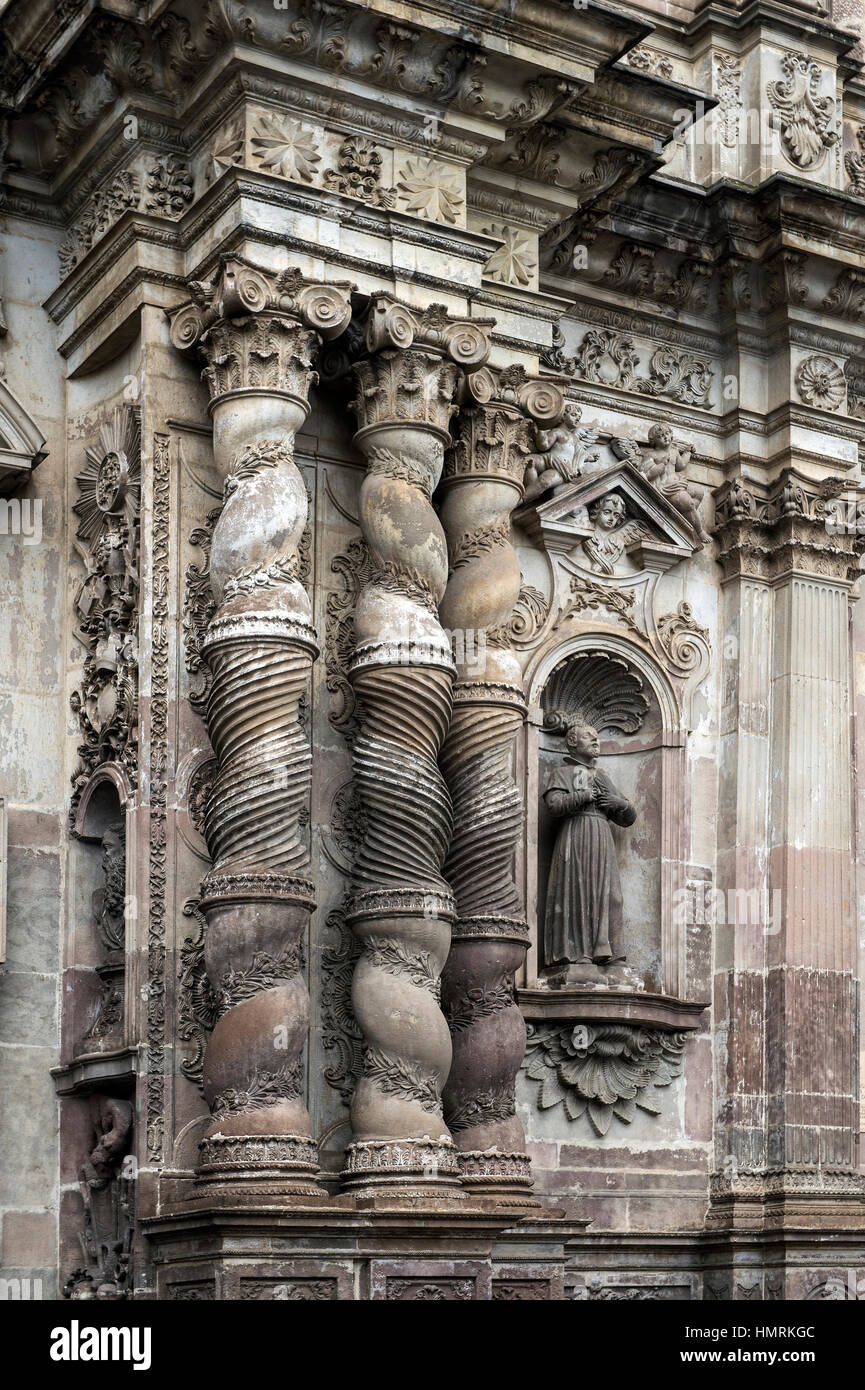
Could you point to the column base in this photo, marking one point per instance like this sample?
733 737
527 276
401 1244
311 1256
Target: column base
505 1178
350 1249
800 1197
287 1163
402 1168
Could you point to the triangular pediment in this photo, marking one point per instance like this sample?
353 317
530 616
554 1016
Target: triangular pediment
561 520
22 443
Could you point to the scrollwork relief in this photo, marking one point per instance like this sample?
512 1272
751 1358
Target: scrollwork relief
803 118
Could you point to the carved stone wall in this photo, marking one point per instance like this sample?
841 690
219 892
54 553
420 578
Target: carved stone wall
392 399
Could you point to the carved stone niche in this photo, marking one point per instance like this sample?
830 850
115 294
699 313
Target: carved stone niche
103 1225
586 867
99 1017
606 1030
613 684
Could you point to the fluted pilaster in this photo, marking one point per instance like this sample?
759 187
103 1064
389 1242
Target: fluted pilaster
402 672
483 483
256 333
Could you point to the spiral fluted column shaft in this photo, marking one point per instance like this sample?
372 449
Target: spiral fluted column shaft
256 333
483 484
402 672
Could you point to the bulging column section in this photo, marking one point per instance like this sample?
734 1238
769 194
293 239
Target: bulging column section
257 333
483 484
402 672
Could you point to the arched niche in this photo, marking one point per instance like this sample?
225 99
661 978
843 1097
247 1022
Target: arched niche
105 798
100 921
647 764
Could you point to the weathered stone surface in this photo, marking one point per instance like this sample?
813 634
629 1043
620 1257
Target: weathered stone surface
375 402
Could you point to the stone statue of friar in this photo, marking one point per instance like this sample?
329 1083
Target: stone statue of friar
583 926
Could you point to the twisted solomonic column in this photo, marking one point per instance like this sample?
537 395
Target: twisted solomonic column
402 672
256 332
482 485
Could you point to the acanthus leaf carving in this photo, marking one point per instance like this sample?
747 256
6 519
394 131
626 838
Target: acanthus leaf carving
854 163
358 173
198 1011
603 1071
169 183
339 1031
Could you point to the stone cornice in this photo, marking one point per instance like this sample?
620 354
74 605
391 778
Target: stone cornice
798 23
229 191
791 527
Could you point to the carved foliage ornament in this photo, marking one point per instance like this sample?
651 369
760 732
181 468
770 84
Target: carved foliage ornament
602 1071
684 641
610 359
340 1033
803 118
199 605
855 165
106 604
728 80
358 173
644 60
157 872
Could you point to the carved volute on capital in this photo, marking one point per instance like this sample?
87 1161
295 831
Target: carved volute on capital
492 446
255 328
411 370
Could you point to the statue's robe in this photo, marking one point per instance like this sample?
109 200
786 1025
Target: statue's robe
584 914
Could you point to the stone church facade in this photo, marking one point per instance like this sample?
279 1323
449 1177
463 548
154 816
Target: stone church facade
431 676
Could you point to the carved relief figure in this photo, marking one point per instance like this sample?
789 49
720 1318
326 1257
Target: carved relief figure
612 534
108 902
109 905
584 926
665 464
107 1195
562 453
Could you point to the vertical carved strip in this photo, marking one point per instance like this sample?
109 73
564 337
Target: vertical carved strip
158 799
256 333
402 673
484 482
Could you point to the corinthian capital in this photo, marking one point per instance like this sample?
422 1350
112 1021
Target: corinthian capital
256 328
410 372
493 432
